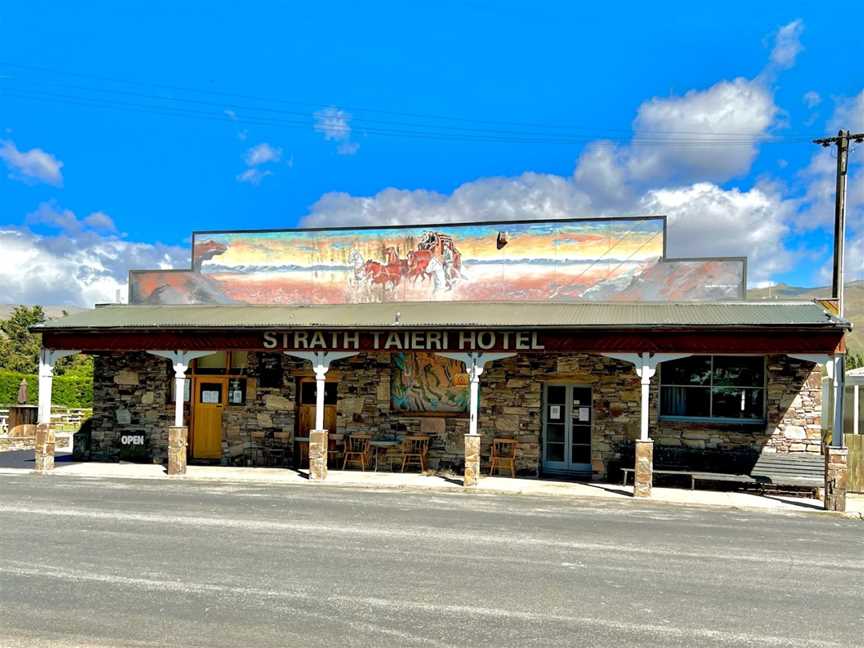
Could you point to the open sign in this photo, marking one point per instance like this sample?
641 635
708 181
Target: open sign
132 439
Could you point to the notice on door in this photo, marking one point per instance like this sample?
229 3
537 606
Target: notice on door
555 412
210 396
584 414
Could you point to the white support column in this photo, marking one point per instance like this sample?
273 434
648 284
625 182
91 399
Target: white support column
47 359
320 364
646 366
474 364
856 410
180 360
832 393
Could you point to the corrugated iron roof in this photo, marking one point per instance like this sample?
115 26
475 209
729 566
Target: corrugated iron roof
454 314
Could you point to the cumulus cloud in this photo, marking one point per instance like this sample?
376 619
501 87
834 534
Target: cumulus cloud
819 176
255 157
76 270
50 214
262 153
31 166
706 220
253 176
335 125
787 44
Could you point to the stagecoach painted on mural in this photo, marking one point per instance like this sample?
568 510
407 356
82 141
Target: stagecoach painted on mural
436 259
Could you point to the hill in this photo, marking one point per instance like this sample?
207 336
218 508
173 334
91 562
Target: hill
52 312
854 305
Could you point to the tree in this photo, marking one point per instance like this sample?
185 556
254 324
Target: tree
19 348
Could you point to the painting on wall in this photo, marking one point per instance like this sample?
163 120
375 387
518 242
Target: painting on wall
427 383
611 259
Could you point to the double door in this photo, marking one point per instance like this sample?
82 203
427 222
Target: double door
567 419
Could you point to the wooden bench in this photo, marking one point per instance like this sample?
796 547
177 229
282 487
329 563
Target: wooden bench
798 470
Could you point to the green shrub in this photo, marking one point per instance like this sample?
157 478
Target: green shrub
67 391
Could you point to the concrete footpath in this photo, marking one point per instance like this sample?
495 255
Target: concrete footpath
22 462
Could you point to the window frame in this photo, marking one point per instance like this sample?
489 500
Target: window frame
725 420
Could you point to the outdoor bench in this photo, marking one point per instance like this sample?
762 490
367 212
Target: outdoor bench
770 469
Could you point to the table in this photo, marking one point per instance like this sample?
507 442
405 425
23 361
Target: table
382 444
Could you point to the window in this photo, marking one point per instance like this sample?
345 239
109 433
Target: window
726 388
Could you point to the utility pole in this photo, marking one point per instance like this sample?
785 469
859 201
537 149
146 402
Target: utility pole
842 142
837 288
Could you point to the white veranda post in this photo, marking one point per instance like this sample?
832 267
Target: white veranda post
832 393
320 364
47 359
180 361
646 366
474 364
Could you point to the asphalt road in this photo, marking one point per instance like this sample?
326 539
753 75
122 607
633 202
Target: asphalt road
143 563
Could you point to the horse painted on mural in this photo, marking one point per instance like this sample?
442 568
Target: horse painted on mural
387 274
423 264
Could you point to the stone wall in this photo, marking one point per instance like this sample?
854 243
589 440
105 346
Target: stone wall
131 394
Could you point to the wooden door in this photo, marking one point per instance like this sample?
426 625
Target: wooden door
306 408
210 395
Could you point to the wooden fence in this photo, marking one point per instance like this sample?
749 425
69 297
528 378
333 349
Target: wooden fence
855 443
63 419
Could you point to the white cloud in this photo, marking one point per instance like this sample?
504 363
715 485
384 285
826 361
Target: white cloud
100 221
253 176
75 270
49 213
812 99
31 166
335 125
255 157
705 220
849 113
262 153
787 44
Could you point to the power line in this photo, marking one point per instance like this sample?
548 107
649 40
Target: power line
385 127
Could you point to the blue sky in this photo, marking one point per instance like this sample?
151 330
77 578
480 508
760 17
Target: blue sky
125 126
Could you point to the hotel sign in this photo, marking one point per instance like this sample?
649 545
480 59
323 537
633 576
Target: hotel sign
412 340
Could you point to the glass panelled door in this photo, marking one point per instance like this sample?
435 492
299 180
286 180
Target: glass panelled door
567 418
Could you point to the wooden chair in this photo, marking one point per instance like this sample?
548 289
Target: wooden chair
503 455
415 448
357 450
335 448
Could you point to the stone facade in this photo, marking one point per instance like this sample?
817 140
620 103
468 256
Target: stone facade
132 395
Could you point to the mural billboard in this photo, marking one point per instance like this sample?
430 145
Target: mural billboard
609 259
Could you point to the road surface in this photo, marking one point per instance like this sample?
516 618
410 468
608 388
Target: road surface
92 562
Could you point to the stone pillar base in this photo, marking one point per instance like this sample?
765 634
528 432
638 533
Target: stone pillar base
836 478
472 460
644 473
177 442
44 448
318 455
